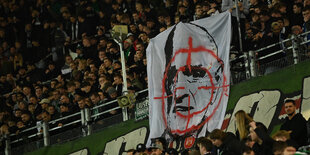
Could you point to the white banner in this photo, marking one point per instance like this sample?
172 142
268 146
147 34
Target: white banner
188 79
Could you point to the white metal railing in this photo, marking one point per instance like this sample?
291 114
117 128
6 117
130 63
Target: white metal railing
251 60
85 120
250 63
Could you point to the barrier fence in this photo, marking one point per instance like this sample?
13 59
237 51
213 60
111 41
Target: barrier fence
86 121
254 63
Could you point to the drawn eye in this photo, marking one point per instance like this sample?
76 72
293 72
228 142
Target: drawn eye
199 73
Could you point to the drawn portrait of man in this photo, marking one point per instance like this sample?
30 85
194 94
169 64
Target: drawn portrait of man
188 80
192 86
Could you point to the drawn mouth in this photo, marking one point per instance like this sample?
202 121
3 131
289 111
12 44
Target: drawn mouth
183 108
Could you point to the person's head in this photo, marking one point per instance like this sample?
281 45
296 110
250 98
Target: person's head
20 124
64 108
306 3
51 109
249 142
290 107
253 134
22 105
150 23
198 10
93 68
255 17
56 95
182 9
131 151
31 108
306 13
114 49
281 135
264 16
217 136
25 117
22 71
46 117
159 142
143 36
2 79
81 103
92 76
107 62
281 7
51 66
247 151
127 43
33 100
140 148
117 65
276 27
101 55
20 96
171 151
102 95
86 87
70 87
139 7
64 99
68 59
135 16
242 121
38 91
17 113
297 8
156 149
176 19
112 92
278 147
27 90
204 144
118 79
44 103
53 83
289 150
95 98
296 29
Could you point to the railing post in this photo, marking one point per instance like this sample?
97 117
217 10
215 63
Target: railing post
88 121
46 135
246 65
83 122
7 144
295 48
124 109
252 63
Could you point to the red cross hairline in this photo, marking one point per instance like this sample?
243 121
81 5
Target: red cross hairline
189 50
202 87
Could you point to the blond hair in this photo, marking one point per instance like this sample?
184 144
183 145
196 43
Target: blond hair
242 122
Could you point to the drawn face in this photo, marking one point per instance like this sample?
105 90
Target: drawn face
193 81
191 90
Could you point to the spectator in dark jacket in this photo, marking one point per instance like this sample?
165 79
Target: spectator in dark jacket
225 143
263 142
296 123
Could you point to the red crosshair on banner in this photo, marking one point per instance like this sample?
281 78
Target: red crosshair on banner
190 115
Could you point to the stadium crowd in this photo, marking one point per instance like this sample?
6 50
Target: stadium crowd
57 57
250 138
